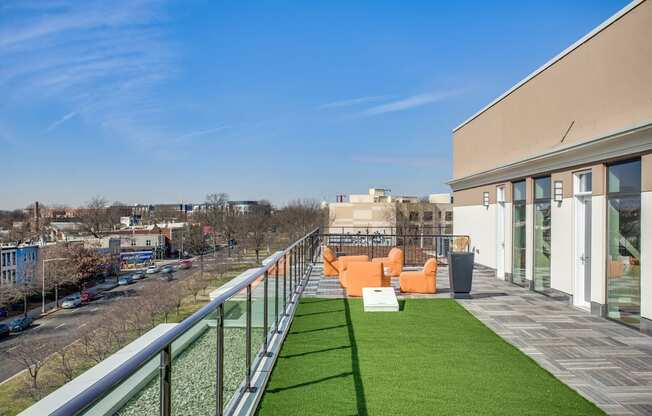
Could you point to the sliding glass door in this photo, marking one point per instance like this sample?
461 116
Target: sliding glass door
624 242
518 233
542 192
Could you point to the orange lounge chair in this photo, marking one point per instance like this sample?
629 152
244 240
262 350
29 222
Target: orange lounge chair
424 281
361 274
333 265
345 261
394 261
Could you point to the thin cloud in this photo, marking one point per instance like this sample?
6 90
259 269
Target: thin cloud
200 133
352 101
410 102
102 57
60 121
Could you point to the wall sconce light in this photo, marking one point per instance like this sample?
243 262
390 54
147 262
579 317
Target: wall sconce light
485 199
558 191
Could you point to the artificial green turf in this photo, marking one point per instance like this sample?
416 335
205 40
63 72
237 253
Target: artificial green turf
432 357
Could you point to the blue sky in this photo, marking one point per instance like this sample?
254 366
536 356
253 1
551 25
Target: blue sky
155 101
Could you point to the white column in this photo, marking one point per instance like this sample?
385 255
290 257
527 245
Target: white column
561 246
598 242
646 255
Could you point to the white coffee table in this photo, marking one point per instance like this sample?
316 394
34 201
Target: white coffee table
379 299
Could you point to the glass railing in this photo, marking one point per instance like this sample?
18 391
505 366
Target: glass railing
207 363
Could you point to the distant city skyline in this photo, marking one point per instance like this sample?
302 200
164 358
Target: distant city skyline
162 102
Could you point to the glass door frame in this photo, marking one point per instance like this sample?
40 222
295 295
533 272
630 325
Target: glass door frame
536 201
618 195
519 203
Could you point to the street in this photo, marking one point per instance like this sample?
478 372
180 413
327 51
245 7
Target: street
66 323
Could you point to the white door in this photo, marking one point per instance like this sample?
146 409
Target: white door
500 232
582 296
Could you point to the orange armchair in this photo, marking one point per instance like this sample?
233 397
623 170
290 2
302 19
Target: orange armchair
333 266
394 261
424 281
345 261
361 274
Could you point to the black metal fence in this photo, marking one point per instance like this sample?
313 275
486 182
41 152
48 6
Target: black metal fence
408 229
417 249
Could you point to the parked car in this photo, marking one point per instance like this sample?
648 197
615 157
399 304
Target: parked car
125 280
138 275
185 264
3 312
4 331
20 324
152 270
167 269
72 301
166 277
90 294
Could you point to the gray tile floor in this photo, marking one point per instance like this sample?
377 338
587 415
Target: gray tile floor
606 362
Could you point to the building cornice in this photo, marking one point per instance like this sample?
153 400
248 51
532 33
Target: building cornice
554 60
633 140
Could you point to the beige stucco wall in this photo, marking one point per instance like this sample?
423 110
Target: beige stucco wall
603 85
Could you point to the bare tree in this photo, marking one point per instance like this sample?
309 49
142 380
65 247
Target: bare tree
95 215
64 363
32 356
299 217
97 344
59 270
256 227
85 263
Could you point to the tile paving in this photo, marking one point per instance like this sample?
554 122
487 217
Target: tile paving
604 361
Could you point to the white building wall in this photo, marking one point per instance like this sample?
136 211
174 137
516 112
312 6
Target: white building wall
598 249
561 246
646 255
479 223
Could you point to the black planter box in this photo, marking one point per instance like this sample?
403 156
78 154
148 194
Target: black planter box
460 274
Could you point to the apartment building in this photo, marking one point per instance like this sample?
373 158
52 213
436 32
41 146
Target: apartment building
553 179
18 264
379 211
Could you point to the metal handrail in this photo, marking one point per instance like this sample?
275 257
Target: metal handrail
113 379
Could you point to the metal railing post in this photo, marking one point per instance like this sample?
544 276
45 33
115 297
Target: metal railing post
266 312
285 283
248 341
276 317
219 381
291 275
165 374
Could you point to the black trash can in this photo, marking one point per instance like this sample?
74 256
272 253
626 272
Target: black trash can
460 273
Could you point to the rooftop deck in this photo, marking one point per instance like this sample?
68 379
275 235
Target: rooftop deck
603 361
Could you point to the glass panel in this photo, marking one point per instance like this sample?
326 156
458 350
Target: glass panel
519 191
625 177
542 188
623 259
235 315
272 291
541 246
257 320
194 364
585 182
518 244
142 391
